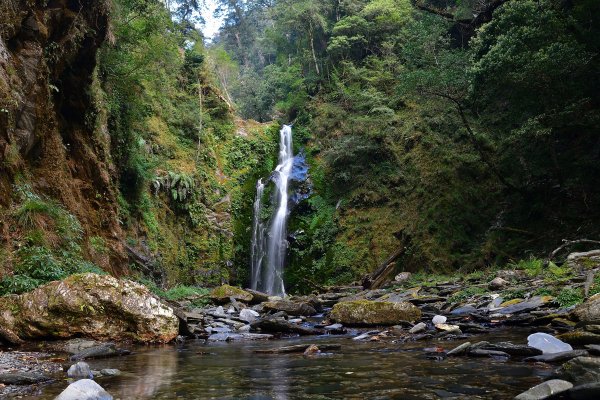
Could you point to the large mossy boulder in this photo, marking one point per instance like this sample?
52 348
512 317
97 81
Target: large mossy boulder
223 294
87 305
366 312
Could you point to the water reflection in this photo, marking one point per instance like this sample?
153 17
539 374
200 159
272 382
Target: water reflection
357 371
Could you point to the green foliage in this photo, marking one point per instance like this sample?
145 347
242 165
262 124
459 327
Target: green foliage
568 297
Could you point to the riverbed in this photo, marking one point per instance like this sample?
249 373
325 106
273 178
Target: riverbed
384 369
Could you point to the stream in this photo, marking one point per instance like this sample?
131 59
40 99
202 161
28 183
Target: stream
359 370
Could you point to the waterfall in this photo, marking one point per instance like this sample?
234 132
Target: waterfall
258 237
268 261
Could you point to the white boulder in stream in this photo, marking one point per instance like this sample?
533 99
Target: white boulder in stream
84 389
439 319
548 344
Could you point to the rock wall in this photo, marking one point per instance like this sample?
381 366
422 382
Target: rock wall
50 136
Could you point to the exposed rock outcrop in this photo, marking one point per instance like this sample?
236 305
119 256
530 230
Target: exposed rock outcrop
88 305
48 125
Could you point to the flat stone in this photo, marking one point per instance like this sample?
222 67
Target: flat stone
523 306
558 357
488 353
283 326
513 349
402 277
223 294
257 297
22 378
84 389
439 319
459 350
448 328
547 343
463 310
110 372
249 315
545 390
102 351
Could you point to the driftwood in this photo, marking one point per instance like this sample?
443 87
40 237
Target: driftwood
376 279
567 243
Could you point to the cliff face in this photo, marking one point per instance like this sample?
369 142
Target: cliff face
50 137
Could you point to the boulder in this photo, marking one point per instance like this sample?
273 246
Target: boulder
588 391
280 325
249 315
291 307
366 312
588 313
84 389
81 370
89 305
402 277
498 283
548 344
418 328
545 390
222 294
257 297
579 337
580 370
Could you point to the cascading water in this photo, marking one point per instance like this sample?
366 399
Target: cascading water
258 237
268 258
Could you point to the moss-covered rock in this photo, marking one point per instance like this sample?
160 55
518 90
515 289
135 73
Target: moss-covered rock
366 312
588 312
580 370
579 337
87 305
222 294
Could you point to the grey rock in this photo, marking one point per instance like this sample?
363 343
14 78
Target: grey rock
498 283
102 351
459 350
558 357
589 391
580 370
463 310
545 390
402 276
523 306
418 328
81 370
513 349
84 389
283 326
488 353
593 349
249 315
22 378
110 372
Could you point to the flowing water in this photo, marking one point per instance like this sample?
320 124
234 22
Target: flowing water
258 238
268 261
359 370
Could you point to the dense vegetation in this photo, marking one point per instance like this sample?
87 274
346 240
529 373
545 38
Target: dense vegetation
465 131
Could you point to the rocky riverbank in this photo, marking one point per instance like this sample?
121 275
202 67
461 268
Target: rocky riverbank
410 309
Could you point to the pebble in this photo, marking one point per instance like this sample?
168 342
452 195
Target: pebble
439 319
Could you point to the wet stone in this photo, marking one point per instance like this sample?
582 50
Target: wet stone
81 370
545 390
588 391
418 328
22 378
558 357
488 353
459 350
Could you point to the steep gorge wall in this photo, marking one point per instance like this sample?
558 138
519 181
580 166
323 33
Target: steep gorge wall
48 133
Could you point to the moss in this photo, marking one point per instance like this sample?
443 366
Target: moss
223 293
366 312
